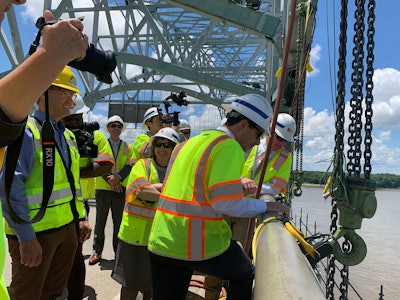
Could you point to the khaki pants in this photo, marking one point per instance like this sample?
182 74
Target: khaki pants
47 281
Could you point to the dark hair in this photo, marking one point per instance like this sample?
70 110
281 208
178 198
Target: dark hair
233 117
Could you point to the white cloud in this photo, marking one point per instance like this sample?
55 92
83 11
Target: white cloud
385 135
315 56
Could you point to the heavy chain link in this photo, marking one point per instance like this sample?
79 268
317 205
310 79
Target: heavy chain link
339 144
369 87
355 126
330 283
344 273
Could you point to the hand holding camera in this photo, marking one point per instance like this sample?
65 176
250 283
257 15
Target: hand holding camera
64 38
100 63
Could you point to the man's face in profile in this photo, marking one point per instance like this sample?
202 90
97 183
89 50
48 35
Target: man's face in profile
73 121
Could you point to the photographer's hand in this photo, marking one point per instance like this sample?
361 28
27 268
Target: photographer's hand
62 43
64 38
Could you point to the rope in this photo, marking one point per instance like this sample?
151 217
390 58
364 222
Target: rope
257 233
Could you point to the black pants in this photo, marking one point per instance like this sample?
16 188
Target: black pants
106 200
171 277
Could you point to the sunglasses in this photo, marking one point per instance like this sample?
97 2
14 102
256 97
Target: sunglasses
115 126
165 145
279 139
185 132
253 125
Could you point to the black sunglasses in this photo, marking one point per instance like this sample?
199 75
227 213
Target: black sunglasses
115 126
166 145
254 126
279 139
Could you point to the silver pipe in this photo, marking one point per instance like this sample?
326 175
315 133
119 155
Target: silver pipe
282 270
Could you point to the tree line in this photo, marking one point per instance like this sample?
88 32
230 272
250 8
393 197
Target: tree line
384 180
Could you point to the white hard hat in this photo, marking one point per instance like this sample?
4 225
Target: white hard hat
254 107
113 119
285 127
183 124
151 112
169 134
79 107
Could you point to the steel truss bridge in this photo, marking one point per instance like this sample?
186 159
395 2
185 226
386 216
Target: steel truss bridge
210 49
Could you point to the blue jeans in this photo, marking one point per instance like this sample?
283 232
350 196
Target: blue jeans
171 277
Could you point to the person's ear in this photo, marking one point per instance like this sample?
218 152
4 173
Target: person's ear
243 123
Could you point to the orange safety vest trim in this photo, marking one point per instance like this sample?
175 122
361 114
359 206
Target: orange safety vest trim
278 168
196 214
138 214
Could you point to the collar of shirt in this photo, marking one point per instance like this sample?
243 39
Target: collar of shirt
227 131
41 116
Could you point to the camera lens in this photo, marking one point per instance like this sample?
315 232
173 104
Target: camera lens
100 63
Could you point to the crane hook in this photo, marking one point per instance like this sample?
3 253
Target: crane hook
358 249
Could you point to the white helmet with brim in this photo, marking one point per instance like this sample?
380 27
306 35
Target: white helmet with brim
285 127
254 107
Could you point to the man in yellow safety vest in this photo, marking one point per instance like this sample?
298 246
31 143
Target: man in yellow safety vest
275 182
202 184
45 201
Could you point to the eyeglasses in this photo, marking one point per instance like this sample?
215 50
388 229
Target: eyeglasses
166 145
63 92
185 132
279 139
253 125
115 126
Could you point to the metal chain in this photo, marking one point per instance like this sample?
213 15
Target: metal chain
296 178
344 273
369 87
355 126
330 283
299 51
339 144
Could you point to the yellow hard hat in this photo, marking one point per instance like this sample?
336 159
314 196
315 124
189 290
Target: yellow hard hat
67 80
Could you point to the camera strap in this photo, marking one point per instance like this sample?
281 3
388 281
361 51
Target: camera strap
48 147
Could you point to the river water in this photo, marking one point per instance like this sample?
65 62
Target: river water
382 263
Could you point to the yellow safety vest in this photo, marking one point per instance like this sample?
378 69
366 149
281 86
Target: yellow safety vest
125 157
138 214
203 170
3 288
104 150
58 212
140 145
104 154
278 168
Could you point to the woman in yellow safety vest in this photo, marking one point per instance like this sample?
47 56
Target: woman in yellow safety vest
132 264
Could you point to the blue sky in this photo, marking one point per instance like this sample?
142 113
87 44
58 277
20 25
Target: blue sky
319 111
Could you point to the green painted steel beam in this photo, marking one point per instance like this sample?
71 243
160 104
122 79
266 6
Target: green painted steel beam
187 73
249 20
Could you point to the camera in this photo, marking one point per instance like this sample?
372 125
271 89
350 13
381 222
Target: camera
84 139
168 117
179 99
99 63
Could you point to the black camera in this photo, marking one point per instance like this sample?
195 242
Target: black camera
99 63
84 139
179 99
168 117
